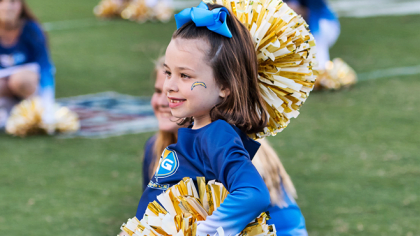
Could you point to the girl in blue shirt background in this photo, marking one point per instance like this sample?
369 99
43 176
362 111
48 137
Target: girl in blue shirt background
25 65
211 85
323 23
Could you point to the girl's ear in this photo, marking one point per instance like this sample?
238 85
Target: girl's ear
224 92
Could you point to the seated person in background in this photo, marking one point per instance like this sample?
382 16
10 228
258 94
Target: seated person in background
25 65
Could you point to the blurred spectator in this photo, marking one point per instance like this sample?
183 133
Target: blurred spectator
323 23
25 65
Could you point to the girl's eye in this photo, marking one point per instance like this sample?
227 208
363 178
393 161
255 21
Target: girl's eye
167 73
185 76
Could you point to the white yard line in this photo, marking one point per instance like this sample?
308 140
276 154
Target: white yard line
179 5
73 24
391 72
365 8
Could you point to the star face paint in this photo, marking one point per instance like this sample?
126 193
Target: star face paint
195 84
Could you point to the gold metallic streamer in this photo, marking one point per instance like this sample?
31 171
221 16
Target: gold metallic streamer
285 49
134 10
191 210
26 119
337 74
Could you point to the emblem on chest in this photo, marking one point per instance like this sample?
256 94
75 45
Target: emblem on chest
12 59
168 164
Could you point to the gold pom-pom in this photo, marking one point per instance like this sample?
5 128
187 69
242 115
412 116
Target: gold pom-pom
109 8
26 119
182 206
337 74
286 56
163 11
139 11
66 120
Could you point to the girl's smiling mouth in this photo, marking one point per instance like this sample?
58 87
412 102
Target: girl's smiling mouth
175 102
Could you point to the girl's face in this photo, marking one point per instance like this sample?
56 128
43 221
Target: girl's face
160 105
10 10
190 85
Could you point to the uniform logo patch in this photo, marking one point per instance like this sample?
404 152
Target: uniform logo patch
168 164
158 186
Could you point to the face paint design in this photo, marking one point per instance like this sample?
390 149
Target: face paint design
195 84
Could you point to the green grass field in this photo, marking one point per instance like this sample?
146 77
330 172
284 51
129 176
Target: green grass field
353 154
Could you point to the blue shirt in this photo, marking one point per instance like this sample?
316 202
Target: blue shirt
288 220
149 159
317 10
217 151
31 47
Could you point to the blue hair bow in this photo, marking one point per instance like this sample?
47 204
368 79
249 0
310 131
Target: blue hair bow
214 20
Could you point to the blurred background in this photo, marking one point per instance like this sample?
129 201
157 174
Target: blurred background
352 154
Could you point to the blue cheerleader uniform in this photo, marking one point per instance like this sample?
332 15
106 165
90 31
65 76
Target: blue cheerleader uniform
288 220
318 9
217 151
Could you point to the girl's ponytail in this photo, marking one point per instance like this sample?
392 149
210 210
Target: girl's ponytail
274 174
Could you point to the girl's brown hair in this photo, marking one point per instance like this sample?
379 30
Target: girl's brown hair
26 13
234 64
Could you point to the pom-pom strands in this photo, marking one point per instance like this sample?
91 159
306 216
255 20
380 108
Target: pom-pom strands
110 8
338 74
139 11
135 10
182 206
26 119
286 56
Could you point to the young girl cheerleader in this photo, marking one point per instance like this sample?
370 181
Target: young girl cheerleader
212 84
25 65
285 213
215 85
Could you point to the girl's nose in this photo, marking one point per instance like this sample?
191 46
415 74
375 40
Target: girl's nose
163 100
170 85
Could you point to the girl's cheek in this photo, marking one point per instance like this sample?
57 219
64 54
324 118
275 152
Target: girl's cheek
154 101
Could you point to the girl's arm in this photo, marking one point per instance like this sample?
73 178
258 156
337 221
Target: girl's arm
230 162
